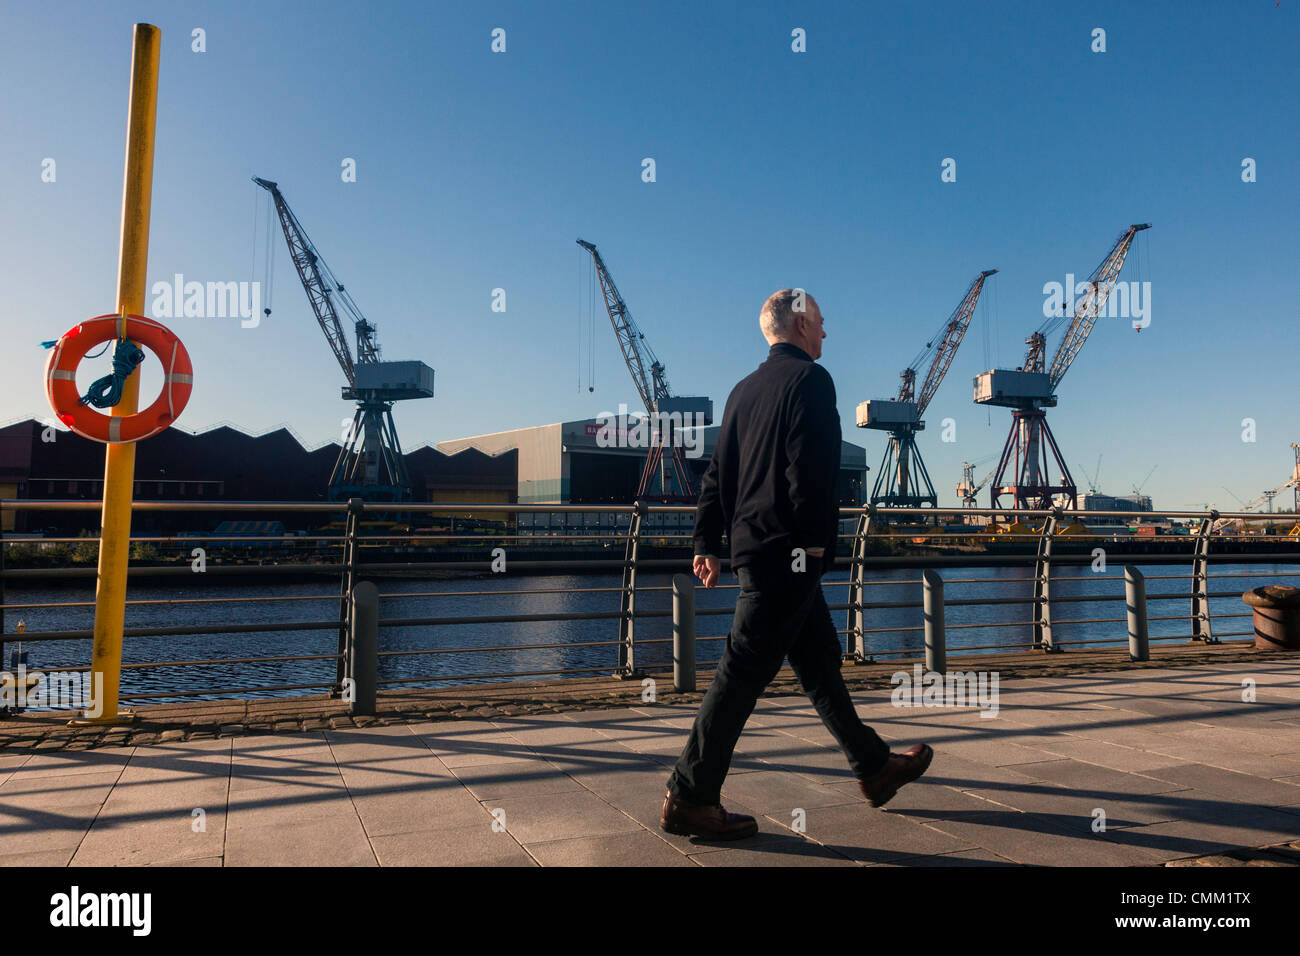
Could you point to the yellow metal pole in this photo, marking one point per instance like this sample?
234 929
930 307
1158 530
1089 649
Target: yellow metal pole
119 458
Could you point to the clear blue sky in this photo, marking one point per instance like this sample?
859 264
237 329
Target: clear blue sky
822 170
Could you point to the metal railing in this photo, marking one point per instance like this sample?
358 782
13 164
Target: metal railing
353 554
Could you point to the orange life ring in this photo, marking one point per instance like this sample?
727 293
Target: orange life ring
68 351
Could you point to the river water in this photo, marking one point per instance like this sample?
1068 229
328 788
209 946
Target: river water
565 595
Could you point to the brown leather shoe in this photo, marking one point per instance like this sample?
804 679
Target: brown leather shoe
710 822
899 769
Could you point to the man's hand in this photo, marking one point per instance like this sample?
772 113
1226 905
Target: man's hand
707 569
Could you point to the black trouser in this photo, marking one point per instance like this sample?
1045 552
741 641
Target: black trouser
779 614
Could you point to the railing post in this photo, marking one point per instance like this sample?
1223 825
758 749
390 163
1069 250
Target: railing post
365 648
1135 596
627 618
1042 611
854 639
683 633
1201 630
356 507
936 643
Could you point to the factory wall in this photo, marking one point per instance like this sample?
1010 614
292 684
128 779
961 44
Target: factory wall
543 472
222 464
565 463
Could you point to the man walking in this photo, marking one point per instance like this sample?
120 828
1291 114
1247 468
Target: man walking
771 485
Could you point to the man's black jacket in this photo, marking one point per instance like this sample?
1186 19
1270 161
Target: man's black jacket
772 479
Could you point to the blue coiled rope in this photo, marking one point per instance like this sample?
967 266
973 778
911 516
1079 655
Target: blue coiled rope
106 392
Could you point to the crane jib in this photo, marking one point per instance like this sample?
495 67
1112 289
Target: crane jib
306 261
1100 284
954 332
648 376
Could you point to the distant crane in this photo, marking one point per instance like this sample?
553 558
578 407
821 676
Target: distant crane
969 488
652 385
1028 390
1094 480
1137 489
1295 476
1265 497
1234 496
902 481
1270 494
370 463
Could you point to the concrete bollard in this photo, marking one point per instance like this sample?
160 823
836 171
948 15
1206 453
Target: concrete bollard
1135 596
365 648
683 633
936 642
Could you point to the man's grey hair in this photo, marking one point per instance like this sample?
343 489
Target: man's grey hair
777 316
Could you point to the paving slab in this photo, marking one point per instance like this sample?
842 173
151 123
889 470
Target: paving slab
9 762
1249 827
1093 779
287 803
499 781
1263 742
777 792
31 829
134 839
327 841
541 818
476 845
964 858
32 790
206 861
158 797
389 812
1038 839
1077 810
1188 751
614 782
639 848
769 850
61 763
38 857
1103 754
1236 787
858 832
949 770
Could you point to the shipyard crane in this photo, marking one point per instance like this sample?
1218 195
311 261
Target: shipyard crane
370 464
903 481
969 487
1267 496
1031 449
664 409
1295 478
1239 524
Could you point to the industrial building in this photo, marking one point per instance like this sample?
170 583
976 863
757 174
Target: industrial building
561 463
577 463
1095 501
221 464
